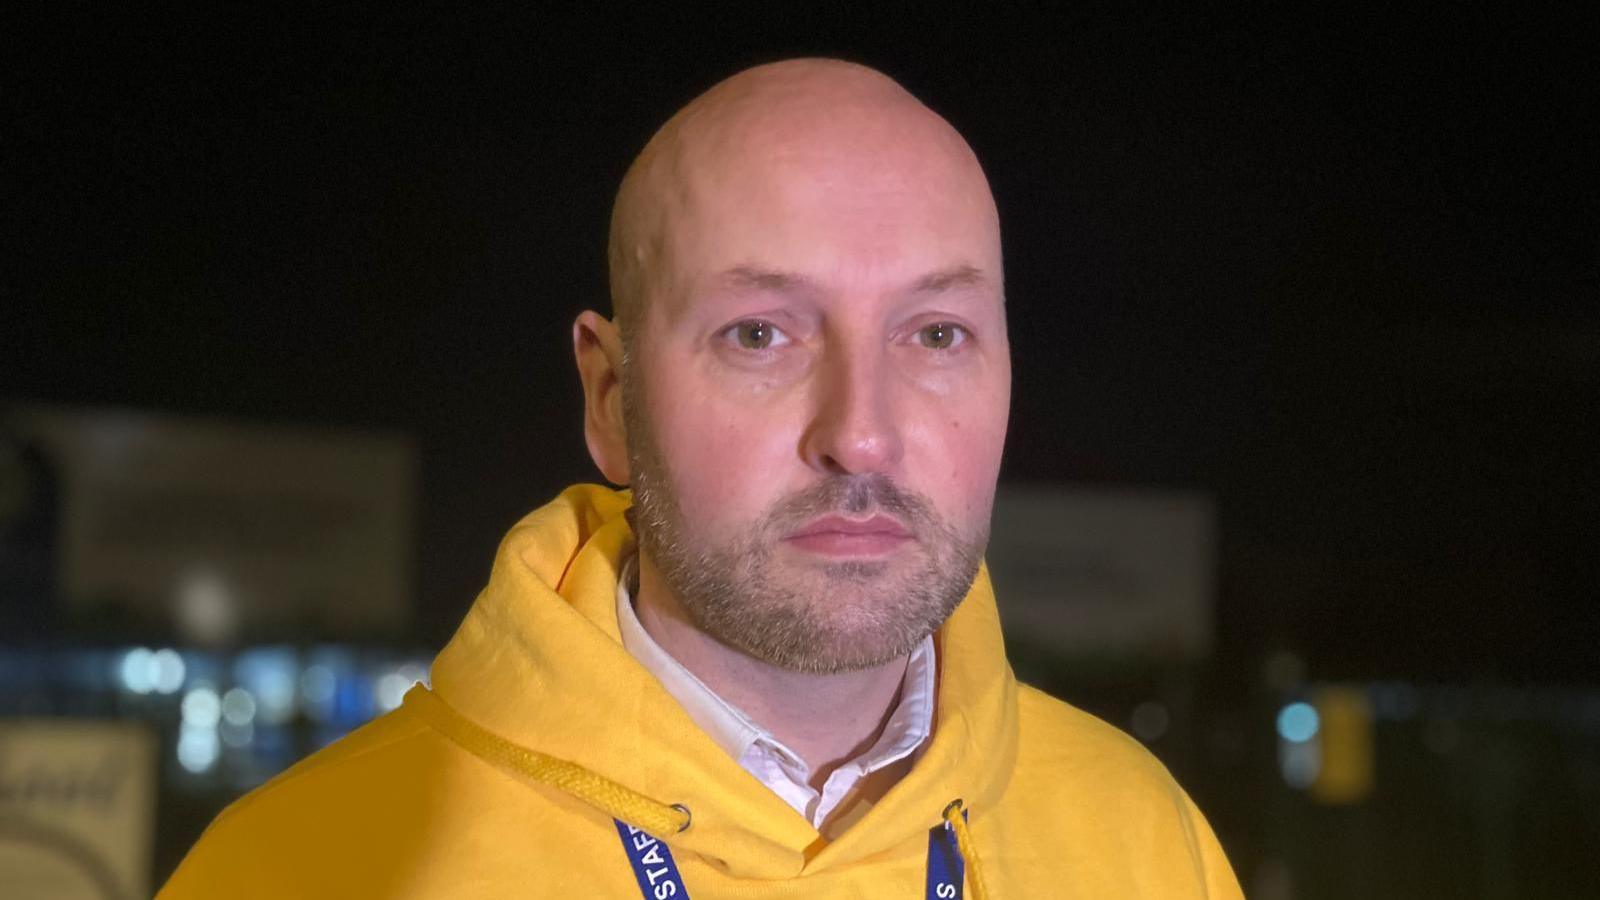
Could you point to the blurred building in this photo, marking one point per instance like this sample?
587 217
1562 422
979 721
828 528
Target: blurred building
204 529
187 607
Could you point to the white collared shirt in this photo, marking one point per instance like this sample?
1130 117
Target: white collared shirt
756 749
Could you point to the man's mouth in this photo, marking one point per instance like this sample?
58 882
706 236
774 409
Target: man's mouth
837 536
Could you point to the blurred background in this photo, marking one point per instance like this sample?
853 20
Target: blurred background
1300 480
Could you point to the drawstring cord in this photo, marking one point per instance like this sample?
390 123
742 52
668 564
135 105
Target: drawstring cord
617 801
955 821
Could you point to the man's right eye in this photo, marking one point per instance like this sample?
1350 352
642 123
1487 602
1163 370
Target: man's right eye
754 334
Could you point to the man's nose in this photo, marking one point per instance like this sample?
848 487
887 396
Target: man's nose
854 430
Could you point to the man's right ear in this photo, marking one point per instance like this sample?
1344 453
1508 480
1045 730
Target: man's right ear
597 344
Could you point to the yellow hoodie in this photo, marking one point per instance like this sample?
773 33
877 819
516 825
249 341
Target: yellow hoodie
546 762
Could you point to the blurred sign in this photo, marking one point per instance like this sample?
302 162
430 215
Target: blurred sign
77 801
224 525
1121 574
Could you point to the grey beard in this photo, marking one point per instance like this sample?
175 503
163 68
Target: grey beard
861 616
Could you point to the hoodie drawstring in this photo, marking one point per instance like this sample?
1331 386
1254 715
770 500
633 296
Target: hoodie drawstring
614 799
955 821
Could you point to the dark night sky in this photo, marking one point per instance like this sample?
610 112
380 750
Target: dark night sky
1341 270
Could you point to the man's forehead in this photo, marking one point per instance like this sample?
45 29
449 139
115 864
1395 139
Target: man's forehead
825 237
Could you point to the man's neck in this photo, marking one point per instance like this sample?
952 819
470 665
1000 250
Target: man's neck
827 719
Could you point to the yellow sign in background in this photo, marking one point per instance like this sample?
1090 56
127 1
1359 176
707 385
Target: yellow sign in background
77 803
1346 775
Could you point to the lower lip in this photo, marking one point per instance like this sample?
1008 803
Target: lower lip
841 544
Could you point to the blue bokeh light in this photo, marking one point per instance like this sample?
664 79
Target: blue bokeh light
1298 722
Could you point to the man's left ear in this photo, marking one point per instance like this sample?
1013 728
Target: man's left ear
597 345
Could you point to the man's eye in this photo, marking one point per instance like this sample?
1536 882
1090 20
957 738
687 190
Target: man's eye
757 335
941 336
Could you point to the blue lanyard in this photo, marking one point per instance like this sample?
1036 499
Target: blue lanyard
652 863
657 872
946 870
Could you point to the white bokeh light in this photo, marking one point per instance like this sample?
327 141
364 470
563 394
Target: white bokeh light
168 671
138 670
201 708
238 706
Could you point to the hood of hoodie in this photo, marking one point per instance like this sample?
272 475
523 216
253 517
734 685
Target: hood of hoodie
539 662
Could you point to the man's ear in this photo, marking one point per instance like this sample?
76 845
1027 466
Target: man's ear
598 347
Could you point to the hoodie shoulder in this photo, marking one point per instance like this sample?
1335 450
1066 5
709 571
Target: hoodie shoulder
325 807
1057 734
374 737
1122 797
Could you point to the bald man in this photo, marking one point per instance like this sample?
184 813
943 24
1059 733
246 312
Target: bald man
774 668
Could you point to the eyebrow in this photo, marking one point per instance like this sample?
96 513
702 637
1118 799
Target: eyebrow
949 280
747 278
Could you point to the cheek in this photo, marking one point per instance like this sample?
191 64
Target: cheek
961 459
725 458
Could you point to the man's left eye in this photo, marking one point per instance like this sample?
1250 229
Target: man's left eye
941 336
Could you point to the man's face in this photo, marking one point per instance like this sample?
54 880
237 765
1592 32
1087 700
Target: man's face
817 395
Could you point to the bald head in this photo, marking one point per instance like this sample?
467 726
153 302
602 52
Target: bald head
761 149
